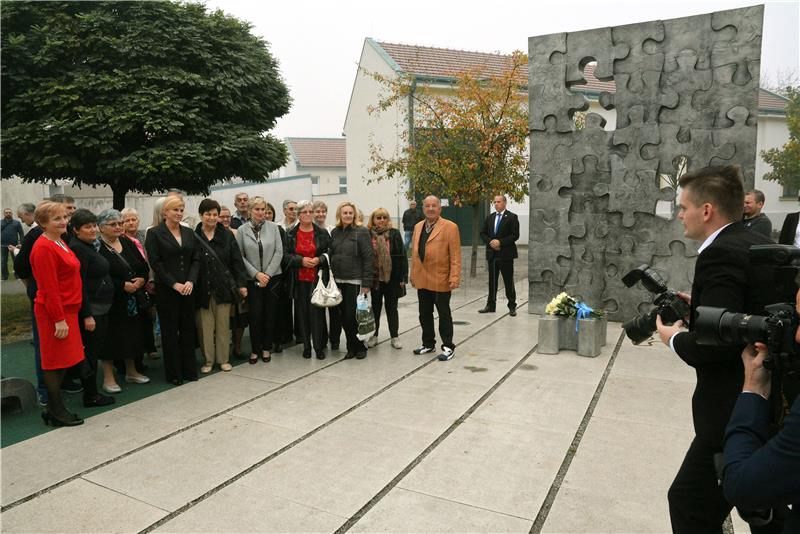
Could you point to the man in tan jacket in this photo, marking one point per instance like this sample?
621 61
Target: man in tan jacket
435 273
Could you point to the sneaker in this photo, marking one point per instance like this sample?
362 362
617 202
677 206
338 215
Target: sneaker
372 341
41 400
447 354
205 369
396 343
424 350
226 367
71 387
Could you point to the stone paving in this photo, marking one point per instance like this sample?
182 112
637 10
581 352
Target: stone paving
498 439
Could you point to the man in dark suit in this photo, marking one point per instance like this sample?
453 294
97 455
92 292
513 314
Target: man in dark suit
789 235
711 211
500 232
762 473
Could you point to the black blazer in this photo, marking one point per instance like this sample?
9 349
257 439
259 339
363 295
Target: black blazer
173 263
98 288
214 278
723 278
134 266
789 228
322 241
762 474
508 234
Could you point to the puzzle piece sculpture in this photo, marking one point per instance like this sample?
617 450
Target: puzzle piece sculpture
686 97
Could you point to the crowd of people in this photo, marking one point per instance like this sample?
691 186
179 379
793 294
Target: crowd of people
103 289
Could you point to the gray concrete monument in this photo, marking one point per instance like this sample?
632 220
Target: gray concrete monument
686 97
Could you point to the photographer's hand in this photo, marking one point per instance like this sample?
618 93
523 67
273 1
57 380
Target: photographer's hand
757 379
686 297
666 332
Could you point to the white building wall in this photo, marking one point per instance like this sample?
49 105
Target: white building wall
773 133
384 129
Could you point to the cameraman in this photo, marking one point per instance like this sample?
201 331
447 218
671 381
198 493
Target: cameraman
711 203
761 474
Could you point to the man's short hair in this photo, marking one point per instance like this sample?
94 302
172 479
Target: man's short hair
240 193
287 202
61 198
721 186
501 195
759 195
26 207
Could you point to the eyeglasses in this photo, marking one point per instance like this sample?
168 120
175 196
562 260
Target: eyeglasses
305 212
380 217
113 224
291 209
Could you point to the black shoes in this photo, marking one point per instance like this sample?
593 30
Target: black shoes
277 349
487 309
306 353
321 354
512 312
51 420
71 387
361 355
97 401
349 355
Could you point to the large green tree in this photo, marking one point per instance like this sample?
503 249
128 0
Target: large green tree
467 143
785 161
140 96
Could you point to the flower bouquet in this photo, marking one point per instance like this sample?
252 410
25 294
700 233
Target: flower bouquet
567 306
565 334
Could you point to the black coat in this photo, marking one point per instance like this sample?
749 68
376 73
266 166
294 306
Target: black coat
352 255
134 266
214 278
397 250
173 263
98 288
789 228
322 240
724 278
508 234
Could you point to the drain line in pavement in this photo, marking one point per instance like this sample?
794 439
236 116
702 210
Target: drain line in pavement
285 448
541 517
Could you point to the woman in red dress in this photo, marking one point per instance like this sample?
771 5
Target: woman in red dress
56 270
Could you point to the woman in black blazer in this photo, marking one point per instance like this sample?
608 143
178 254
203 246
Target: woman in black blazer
175 259
391 273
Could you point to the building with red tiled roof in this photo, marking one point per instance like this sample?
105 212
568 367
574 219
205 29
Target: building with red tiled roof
438 67
322 158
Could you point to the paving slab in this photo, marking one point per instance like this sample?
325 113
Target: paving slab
494 466
81 506
408 511
238 508
341 467
171 473
70 451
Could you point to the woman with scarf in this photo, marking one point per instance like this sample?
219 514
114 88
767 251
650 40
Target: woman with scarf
262 250
391 273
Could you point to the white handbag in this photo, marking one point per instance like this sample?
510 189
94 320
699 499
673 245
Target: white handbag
326 296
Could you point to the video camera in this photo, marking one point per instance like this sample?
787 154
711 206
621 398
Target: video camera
718 326
667 303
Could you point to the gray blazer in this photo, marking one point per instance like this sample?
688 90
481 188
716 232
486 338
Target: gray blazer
269 262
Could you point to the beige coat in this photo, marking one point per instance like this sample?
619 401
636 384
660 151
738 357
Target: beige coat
442 265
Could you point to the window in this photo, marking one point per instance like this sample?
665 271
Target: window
789 191
343 184
315 185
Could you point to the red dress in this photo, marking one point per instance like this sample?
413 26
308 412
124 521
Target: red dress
60 291
308 249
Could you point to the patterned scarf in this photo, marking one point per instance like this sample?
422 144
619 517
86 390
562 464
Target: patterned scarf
383 259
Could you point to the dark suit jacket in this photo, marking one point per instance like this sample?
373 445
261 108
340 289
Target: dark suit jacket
173 263
723 278
789 228
508 233
762 474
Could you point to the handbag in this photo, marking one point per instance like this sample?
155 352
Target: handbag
326 296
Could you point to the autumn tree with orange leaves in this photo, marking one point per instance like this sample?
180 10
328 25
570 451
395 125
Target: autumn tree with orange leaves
468 142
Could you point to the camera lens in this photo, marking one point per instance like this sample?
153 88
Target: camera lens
716 326
641 327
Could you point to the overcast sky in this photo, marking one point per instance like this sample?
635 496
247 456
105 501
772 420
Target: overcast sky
318 42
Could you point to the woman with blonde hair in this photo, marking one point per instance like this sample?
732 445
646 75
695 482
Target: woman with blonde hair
175 259
56 270
391 273
351 257
262 250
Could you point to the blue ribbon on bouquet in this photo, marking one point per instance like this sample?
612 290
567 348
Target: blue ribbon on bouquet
583 312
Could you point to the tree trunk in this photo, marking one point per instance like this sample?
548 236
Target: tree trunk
120 191
473 257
